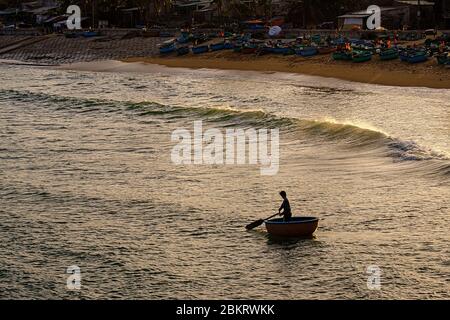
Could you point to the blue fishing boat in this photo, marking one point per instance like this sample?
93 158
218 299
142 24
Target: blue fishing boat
275 49
403 55
228 45
167 49
200 49
90 34
185 37
280 50
217 46
418 57
306 51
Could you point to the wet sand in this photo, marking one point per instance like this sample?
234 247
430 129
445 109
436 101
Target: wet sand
392 73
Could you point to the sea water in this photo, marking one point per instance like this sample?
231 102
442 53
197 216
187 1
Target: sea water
87 184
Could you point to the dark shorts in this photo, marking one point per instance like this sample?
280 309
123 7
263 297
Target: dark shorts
287 217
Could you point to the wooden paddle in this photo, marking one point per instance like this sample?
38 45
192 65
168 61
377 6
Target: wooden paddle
257 223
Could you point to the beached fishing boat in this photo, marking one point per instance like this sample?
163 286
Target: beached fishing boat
200 49
389 54
217 46
71 35
361 56
342 55
199 38
417 57
167 48
297 227
185 37
403 54
326 50
443 58
228 45
276 50
249 48
90 34
306 51
181 51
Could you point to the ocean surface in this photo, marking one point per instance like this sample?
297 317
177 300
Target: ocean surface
86 179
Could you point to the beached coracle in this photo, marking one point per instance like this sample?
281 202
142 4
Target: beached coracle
389 54
306 51
217 46
200 49
167 48
413 56
342 55
296 227
443 58
361 56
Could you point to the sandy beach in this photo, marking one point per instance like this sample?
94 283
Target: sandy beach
392 73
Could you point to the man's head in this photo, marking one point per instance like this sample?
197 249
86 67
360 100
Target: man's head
283 194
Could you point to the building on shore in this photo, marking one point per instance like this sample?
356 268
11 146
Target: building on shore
403 14
421 13
444 14
391 18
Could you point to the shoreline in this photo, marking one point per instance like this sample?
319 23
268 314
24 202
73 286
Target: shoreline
389 73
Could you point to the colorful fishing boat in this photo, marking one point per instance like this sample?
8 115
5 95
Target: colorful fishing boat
389 54
361 56
200 49
306 51
296 227
342 55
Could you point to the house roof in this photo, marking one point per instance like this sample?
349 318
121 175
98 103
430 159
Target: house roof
41 10
351 15
364 14
416 2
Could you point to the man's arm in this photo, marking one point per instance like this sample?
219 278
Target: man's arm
281 207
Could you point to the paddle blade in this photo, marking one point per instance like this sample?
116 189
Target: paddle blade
255 224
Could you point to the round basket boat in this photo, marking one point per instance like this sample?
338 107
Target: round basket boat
296 227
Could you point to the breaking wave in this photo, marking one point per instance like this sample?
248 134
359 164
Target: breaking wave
348 135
